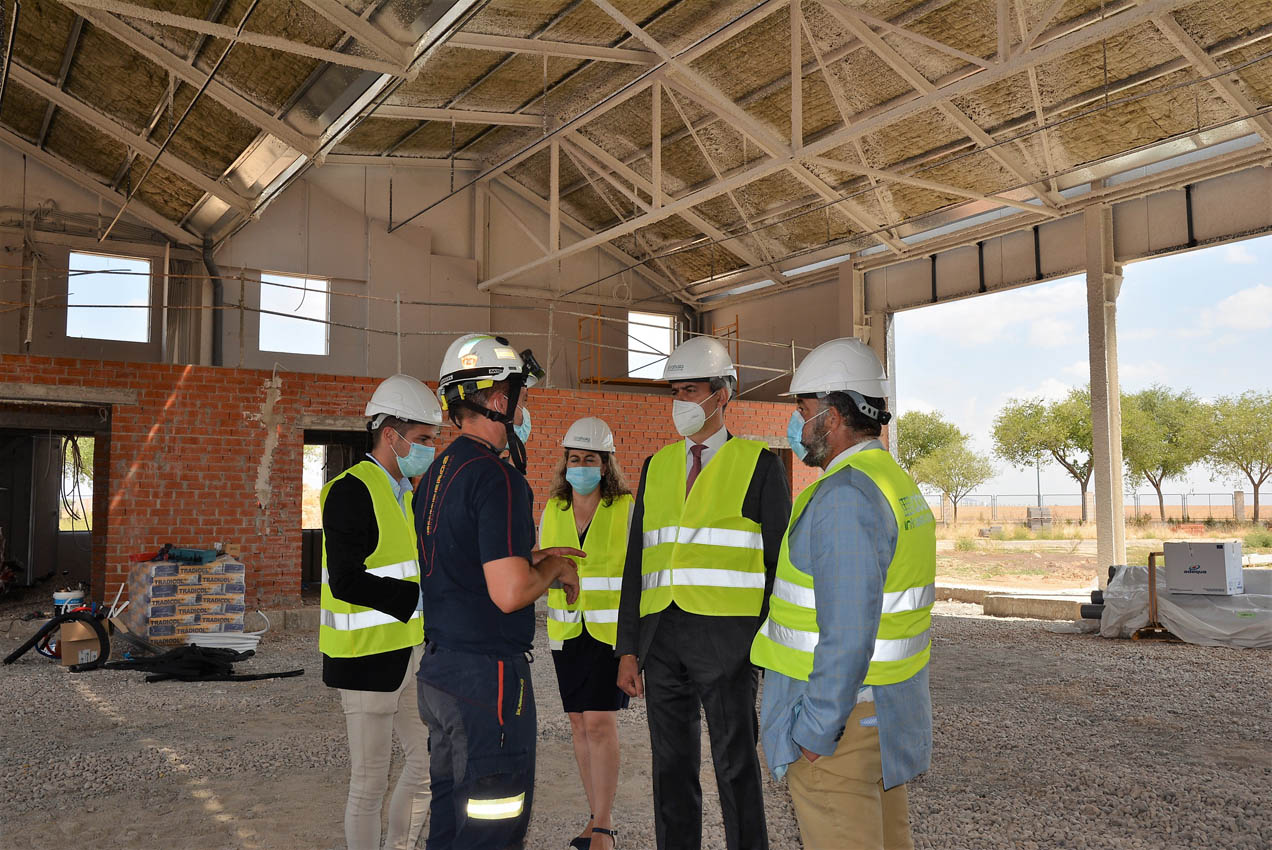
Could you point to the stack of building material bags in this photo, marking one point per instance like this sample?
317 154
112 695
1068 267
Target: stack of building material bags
176 603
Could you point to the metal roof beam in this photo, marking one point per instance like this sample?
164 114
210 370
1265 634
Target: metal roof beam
182 69
544 47
1050 51
79 178
598 156
68 54
107 125
613 251
922 84
256 39
362 30
931 185
699 88
1207 67
374 161
459 116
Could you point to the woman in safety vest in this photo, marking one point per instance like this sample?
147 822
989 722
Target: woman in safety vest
589 509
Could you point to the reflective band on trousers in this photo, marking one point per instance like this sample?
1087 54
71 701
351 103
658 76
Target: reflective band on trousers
731 537
496 809
884 650
702 577
600 615
402 569
897 602
359 620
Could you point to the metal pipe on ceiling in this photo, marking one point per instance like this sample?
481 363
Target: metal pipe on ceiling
8 50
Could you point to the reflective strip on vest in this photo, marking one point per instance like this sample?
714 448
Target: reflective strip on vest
402 569
563 616
884 650
702 577
730 537
601 615
804 597
360 620
598 583
911 599
500 808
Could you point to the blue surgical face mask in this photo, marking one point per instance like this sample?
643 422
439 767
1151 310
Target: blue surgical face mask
523 430
417 460
583 479
795 432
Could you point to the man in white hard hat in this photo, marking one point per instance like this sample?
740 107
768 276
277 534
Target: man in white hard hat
481 577
847 717
702 551
371 634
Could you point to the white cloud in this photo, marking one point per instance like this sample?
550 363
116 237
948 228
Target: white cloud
1038 311
1247 310
1079 370
1238 255
906 405
1146 371
1049 332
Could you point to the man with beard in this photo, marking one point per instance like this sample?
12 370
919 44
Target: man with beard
846 714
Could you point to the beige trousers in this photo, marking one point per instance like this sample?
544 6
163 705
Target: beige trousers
371 718
839 799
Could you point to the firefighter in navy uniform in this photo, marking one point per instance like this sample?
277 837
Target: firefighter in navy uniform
371 634
480 577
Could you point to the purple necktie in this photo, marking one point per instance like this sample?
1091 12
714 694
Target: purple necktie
696 467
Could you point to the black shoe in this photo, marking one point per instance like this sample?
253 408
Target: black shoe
612 833
581 843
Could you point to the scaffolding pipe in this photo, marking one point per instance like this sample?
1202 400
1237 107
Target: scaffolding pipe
218 303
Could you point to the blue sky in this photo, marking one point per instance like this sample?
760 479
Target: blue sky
1201 320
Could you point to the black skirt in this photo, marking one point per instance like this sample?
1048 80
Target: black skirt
587 675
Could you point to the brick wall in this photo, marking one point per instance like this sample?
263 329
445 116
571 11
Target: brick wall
215 454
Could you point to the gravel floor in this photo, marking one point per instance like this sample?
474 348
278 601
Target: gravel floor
1043 740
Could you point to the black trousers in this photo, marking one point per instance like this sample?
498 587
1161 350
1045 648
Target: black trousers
694 661
482 726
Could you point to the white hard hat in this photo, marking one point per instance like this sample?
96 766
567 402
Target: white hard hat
590 434
699 358
841 365
475 361
405 398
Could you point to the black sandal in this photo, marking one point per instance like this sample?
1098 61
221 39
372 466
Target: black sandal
581 843
612 833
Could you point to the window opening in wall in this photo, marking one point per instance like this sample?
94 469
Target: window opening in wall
649 342
108 297
313 477
294 313
76 509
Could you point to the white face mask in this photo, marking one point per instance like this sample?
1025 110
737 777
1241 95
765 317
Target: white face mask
688 416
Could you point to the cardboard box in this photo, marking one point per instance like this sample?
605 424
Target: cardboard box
78 643
1205 567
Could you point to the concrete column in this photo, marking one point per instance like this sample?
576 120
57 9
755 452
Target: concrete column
881 341
1104 282
1238 505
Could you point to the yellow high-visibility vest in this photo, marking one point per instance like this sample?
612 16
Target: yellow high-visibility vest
700 552
351 631
903 643
600 573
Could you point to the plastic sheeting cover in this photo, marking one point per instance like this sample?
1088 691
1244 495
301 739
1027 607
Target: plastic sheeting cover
1241 621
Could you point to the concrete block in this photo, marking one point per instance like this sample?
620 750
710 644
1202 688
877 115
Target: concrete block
296 619
1040 607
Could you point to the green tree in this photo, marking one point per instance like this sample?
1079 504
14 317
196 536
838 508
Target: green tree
1241 439
1163 434
919 434
1028 431
955 469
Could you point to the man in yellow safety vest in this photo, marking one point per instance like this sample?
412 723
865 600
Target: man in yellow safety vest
370 633
701 555
847 717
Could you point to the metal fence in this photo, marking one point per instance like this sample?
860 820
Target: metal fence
1067 507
